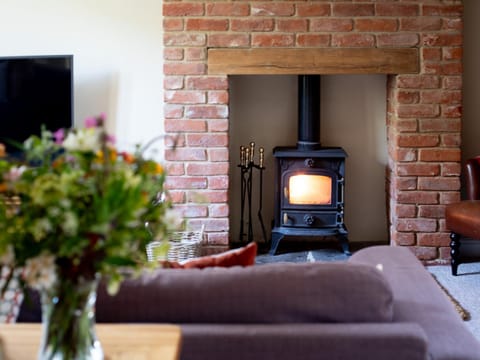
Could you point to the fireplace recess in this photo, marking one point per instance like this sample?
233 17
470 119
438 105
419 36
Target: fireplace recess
309 178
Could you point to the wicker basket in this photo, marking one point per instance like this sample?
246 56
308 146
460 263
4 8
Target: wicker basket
183 245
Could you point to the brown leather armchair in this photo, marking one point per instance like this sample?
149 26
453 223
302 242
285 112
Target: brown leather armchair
463 218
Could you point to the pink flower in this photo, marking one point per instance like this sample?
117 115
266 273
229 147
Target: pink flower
91 122
111 139
15 173
95 121
59 135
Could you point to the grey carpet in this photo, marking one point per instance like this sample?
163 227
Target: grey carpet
465 287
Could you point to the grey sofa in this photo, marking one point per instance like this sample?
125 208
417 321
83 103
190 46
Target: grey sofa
381 304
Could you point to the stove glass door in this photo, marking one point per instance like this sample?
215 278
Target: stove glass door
310 189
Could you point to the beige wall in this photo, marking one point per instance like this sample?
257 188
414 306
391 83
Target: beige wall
471 82
264 110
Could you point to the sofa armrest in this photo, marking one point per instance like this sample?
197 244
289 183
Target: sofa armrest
418 298
367 341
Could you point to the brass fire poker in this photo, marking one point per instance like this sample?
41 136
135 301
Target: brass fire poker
247 164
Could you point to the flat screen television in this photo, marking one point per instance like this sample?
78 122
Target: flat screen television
34 91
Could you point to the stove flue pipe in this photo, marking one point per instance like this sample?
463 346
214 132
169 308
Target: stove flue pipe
308 112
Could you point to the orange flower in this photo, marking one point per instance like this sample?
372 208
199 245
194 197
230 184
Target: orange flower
111 152
128 158
57 162
99 156
152 167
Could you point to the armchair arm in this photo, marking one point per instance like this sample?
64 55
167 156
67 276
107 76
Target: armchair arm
472 178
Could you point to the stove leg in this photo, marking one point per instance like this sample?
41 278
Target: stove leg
276 237
345 246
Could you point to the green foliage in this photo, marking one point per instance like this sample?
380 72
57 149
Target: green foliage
76 198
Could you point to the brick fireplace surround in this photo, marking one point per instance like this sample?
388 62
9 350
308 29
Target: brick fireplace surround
417 43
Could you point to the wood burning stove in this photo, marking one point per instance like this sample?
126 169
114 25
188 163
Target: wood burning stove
309 194
309 178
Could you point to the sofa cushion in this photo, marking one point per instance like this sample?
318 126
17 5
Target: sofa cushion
271 293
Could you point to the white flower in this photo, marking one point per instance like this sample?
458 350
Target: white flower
54 211
41 227
65 203
70 223
131 180
15 173
40 272
173 219
8 258
83 140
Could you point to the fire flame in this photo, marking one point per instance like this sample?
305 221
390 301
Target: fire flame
310 190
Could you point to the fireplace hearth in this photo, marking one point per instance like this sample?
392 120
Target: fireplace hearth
309 178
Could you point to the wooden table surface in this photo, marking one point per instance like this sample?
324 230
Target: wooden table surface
119 341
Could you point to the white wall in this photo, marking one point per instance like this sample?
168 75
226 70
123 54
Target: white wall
353 116
117 48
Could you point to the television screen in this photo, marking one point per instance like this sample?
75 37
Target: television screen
34 91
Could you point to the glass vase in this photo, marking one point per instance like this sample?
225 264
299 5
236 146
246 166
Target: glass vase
68 321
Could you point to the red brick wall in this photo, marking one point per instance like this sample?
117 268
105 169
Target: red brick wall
423 110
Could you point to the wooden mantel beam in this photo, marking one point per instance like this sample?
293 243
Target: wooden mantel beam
278 61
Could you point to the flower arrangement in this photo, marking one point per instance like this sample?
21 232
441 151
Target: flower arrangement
76 207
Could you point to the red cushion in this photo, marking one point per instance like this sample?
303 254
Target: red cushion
244 256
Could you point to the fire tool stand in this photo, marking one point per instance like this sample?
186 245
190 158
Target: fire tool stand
247 165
